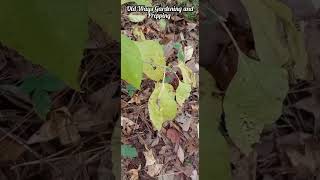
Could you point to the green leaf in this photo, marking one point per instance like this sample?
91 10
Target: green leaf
29 84
153 56
183 92
253 99
162 106
138 2
50 33
127 151
215 157
46 82
131 90
295 38
41 102
106 14
131 63
136 17
266 33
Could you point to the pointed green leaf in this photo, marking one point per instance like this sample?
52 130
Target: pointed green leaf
266 33
131 63
253 99
106 14
295 38
50 33
153 56
162 106
183 92
215 160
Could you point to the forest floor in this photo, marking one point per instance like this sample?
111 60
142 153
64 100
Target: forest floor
172 152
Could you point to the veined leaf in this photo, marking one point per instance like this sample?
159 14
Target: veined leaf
266 34
215 160
131 63
162 106
106 14
255 86
50 33
153 57
295 38
183 92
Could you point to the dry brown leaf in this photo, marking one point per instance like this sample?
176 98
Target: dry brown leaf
173 135
180 154
154 170
150 160
188 52
184 122
134 173
59 124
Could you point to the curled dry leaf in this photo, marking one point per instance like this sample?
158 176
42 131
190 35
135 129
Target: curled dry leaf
134 173
59 125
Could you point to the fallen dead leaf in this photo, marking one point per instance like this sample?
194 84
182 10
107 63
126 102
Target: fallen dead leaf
180 154
194 175
184 122
59 124
188 52
134 173
150 160
154 170
173 135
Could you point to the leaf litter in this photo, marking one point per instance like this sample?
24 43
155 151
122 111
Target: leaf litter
168 149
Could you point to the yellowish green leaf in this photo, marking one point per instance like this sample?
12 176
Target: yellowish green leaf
131 62
153 57
162 105
137 33
187 74
183 92
254 99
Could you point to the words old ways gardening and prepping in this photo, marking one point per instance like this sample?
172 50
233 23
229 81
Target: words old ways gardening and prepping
158 12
